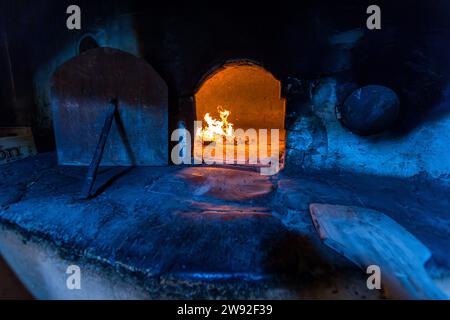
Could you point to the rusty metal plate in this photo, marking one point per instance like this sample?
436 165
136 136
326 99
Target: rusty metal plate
82 89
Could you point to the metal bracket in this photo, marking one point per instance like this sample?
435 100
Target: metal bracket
95 163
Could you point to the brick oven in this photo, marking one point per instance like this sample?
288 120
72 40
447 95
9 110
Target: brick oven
249 152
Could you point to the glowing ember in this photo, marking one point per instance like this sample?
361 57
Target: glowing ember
216 129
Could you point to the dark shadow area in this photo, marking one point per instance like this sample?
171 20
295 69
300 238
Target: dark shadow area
88 42
10 286
107 178
410 56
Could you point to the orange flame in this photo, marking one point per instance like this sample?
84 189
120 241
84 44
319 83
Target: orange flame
216 128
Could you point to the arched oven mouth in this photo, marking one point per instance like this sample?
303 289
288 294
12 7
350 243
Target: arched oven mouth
239 116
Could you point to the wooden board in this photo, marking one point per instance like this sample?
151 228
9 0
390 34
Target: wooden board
368 237
16 143
82 89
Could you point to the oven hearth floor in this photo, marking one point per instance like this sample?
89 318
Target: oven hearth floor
199 232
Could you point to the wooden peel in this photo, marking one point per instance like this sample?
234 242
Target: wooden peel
82 86
368 237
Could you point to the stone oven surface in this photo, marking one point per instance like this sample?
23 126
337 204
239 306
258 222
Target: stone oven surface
185 232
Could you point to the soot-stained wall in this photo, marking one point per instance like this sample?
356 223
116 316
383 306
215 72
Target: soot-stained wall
317 140
320 51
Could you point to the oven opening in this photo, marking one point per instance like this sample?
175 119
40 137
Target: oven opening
242 116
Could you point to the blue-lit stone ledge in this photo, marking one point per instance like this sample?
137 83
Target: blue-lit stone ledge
199 232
